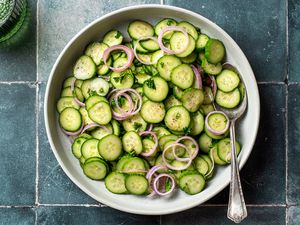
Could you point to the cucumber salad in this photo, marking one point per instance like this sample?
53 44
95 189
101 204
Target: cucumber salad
140 111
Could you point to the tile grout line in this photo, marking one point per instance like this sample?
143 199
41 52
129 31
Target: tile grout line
286 107
37 116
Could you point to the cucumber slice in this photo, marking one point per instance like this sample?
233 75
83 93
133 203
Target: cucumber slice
99 86
171 101
150 45
191 182
182 76
214 51
113 37
70 119
153 112
122 161
161 131
122 80
66 102
224 149
228 100
134 164
148 145
208 96
92 100
132 142
85 88
189 28
201 165
156 89
138 29
177 92
217 121
115 183
179 151
84 68
166 64
95 50
215 156
217 137
190 58
68 81
197 123
164 139
135 123
95 170
227 81
104 69
90 148
85 117
192 98
136 184
110 147
141 78
177 43
100 113
156 56
101 132
67 92
212 69
205 142
201 42
207 108
116 127
163 24
177 118
76 146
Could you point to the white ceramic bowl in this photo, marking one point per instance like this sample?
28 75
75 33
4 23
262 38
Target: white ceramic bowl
247 128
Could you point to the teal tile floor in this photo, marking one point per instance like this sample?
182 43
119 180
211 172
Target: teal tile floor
35 190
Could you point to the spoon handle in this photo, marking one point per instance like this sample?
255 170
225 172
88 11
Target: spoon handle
237 210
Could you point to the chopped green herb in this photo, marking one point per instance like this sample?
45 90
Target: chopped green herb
137 126
150 83
168 185
162 64
169 22
187 130
118 34
92 92
121 101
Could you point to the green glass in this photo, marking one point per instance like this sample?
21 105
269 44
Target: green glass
12 17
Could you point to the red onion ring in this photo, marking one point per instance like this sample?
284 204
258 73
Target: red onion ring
174 145
156 180
152 171
128 51
198 78
75 98
215 132
213 85
128 98
152 150
150 127
194 142
135 46
75 133
88 126
173 167
171 28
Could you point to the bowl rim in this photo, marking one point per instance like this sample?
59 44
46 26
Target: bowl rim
50 80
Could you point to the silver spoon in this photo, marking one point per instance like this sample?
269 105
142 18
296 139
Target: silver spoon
237 210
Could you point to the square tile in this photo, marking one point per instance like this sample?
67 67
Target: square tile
293 144
54 34
257 26
17 216
294 40
293 216
17 141
218 216
267 159
18 62
54 185
91 215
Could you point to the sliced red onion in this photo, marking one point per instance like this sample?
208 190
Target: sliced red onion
75 98
172 28
198 78
88 126
173 167
119 92
128 51
174 145
228 66
215 132
150 127
195 153
135 46
75 133
152 150
152 171
128 98
156 180
213 85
